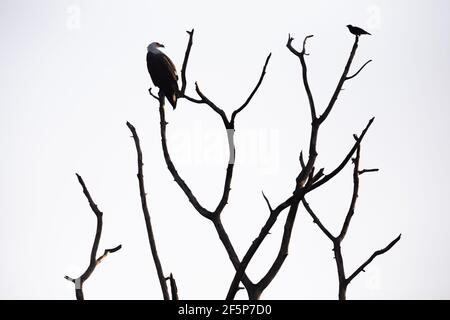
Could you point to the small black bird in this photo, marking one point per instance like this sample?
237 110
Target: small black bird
356 30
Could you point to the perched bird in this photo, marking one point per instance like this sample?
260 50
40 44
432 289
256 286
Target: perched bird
163 72
356 30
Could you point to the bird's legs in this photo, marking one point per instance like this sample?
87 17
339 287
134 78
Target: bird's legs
161 97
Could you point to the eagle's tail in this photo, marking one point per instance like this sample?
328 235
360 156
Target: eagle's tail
172 98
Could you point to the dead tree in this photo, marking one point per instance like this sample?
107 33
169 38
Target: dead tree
337 240
94 261
307 180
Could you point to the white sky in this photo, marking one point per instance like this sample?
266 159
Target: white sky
73 72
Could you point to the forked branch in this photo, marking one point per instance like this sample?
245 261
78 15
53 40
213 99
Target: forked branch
343 280
93 261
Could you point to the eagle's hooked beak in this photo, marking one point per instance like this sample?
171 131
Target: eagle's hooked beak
161 45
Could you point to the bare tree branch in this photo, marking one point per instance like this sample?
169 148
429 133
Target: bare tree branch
347 158
152 94
302 161
108 251
216 109
173 287
351 209
343 281
340 83
354 75
317 221
267 202
373 256
368 170
185 62
301 56
93 261
265 230
148 224
235 112
284 248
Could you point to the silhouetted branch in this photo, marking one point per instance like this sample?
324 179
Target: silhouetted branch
317 221
235 112
267 202
265 230
93 261
301 56
185 61
108 251
354 75
152 94
173 287
351 209
284 247
343 281
368 170
373 256
216 109
306 180
347 158
340 83
148 224
302 161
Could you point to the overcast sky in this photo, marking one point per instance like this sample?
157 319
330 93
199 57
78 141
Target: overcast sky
73 72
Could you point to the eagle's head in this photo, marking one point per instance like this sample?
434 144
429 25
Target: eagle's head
154 46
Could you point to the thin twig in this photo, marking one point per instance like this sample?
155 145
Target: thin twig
368 170
235 112
108 251
354 75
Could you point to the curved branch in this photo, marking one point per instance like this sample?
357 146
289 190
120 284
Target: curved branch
152 94
354 75
148 224
235 112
